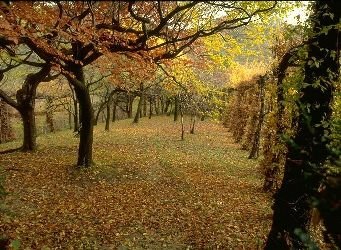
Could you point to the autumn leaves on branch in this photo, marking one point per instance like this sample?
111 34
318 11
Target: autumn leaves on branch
70 35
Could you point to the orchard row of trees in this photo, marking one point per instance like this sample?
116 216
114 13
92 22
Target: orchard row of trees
144 50
159 92
293 111
66 37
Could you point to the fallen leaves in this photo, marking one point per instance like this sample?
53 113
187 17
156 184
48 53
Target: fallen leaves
148 190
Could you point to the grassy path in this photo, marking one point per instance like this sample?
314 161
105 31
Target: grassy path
148 190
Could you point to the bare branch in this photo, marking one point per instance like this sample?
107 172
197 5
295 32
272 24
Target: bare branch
136 17
60 7
172 77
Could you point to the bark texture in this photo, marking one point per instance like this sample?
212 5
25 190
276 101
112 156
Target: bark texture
308 150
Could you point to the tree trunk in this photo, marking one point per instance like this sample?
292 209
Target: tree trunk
138 111
251 130
170 109
156 104
102 116
150 107
141 112
144 107
130 105
166 106
241 118
272 169
114 106
193 120
256 140
308 151
70 119
86 116
176 108
6 131
2 121
86 130
99 111
182 124
75 109
139 107
28 119
107 118
75 116
50 121
26 104
49 115
162 103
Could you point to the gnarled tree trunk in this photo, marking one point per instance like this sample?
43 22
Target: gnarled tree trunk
272 169
27 115
308 151
86 116
26 104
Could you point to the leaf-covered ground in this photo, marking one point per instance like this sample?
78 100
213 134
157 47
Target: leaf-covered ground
148 190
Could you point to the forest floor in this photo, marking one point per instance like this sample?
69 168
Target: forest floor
148 190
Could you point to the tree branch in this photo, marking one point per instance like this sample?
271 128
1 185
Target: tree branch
8 100
172 77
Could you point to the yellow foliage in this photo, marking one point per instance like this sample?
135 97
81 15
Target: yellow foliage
240 73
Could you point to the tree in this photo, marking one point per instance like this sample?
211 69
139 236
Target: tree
158 30
6 133
256 138
308 149
56 95
278 126
139 106
25 102
289 56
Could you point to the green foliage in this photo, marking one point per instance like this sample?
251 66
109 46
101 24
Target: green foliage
306 239
15 244
335 136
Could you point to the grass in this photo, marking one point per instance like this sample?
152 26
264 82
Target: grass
148 190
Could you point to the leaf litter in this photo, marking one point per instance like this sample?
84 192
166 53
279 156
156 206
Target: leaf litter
148 190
